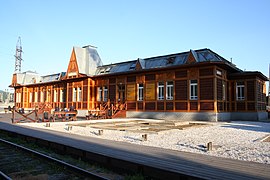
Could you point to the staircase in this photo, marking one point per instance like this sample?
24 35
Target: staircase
118 109
120 114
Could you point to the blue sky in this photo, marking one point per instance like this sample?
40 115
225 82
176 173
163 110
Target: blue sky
127 30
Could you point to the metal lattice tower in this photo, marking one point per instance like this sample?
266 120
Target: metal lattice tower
18 56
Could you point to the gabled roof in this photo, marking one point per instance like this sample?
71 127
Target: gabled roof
87 59
50 78
199 56
30 77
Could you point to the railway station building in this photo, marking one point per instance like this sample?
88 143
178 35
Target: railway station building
192 85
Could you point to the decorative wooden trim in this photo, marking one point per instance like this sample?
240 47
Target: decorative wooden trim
73 69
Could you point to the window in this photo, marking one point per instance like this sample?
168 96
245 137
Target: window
240 91
79 94
36 96
55 95
224 90
169 90
193 90
105 98
140 92
133 66
18 97
48 96
99 97
41 96
31 97
62 95
74 94
108 69
160 91
219 73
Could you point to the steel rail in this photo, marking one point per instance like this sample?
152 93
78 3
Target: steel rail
63 163
4 176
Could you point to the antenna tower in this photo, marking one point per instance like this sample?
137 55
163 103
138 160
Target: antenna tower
18 56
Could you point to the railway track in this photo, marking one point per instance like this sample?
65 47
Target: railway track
18 162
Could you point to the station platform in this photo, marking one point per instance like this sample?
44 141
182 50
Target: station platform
150 161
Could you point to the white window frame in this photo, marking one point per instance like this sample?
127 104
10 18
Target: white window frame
79 96
240 91
48 95
61 95
193 90
223 90
18 97
30 97
36 97
169 90
74 97
55 96
140 92
160 91
41 96
219 72
105 95
99 93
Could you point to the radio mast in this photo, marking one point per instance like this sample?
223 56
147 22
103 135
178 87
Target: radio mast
18 56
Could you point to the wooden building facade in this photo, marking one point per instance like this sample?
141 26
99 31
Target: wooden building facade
193 85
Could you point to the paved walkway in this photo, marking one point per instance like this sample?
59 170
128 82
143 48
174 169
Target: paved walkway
203 166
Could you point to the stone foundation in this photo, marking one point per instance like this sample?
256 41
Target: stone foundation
200 116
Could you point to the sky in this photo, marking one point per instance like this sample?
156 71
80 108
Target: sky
126 30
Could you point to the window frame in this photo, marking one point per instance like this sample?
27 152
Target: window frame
224 87
240 91
160 91
41 96
140 93
105 93
61 95
79 94
99 93
74 95
193 89
169 90
55 95
36 97
30 97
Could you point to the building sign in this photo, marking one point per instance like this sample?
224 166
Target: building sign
150 91
131 92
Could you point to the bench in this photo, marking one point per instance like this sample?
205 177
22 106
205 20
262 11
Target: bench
65 115
6 110
96 114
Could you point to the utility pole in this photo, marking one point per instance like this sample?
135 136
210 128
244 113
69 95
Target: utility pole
18 56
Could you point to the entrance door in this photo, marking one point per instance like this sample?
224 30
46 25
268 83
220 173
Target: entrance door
121 92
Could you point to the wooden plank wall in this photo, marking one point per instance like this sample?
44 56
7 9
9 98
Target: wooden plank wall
215 92
210 95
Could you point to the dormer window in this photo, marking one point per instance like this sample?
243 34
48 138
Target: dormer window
108 69
170 60
132 67
101 71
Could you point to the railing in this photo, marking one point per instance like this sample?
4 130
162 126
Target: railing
111 108
118 107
